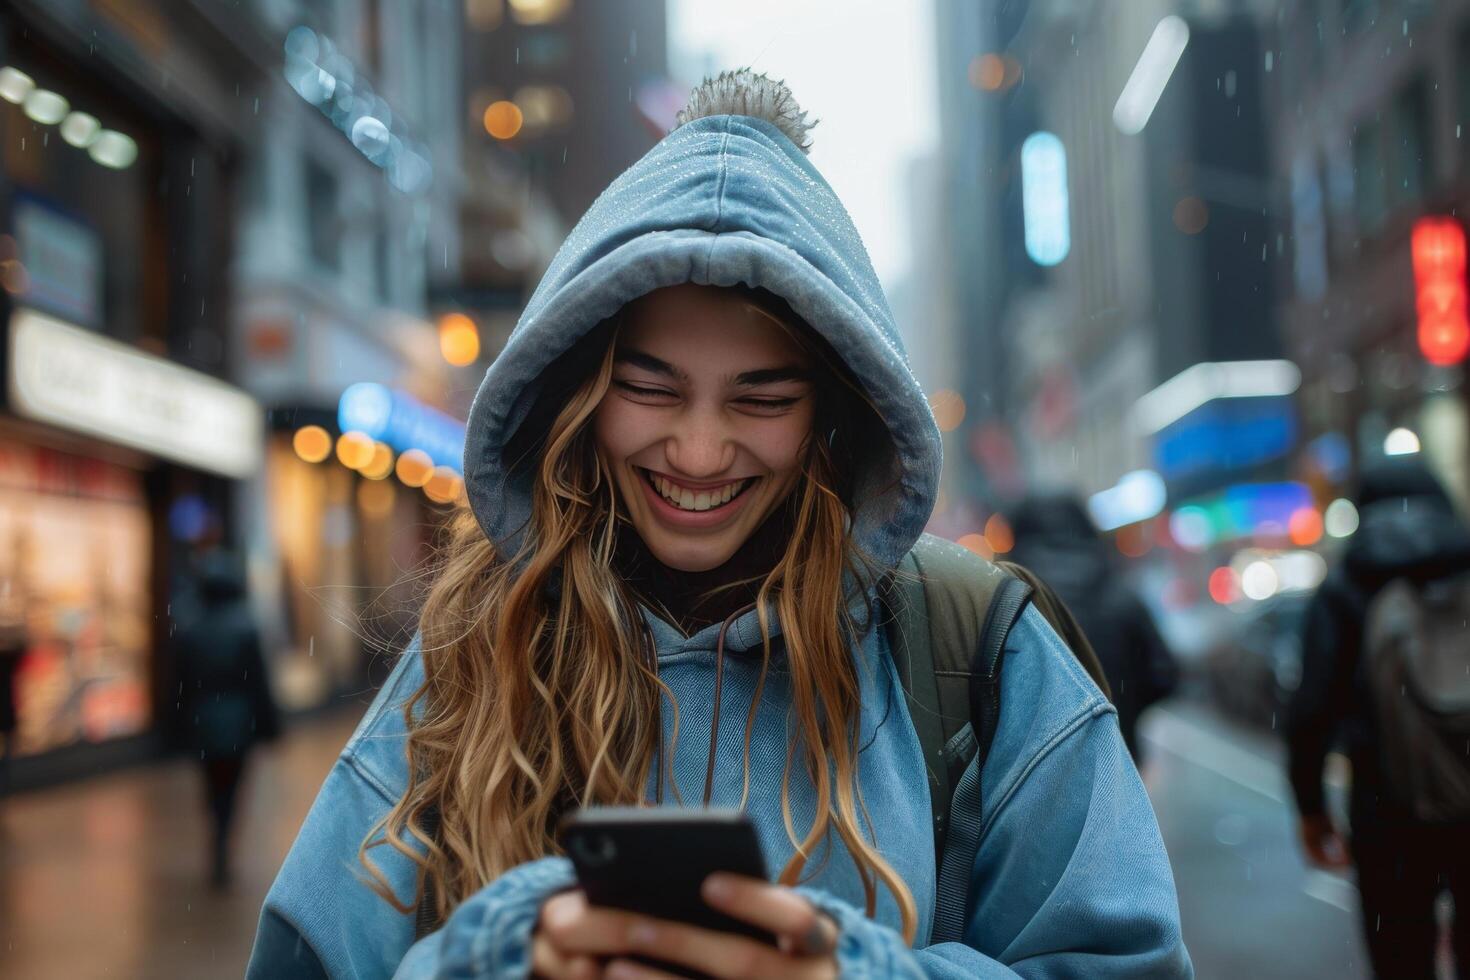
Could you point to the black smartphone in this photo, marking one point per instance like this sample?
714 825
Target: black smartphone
653 860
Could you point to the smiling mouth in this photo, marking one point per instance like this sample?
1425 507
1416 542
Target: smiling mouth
684 498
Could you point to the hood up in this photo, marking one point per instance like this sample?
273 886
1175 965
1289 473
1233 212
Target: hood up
720 201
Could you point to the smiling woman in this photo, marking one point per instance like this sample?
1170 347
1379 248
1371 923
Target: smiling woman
689 470
706 422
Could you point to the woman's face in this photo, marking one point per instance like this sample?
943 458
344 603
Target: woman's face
705 422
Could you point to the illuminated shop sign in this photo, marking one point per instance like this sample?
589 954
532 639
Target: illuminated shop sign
403 422
74 379
62 258
1044 198
1225 435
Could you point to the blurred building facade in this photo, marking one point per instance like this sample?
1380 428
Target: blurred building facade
1161 257
1159 222
122 444
349 227
1372 100
267 226
556 93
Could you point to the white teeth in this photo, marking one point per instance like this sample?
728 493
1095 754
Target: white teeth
686 499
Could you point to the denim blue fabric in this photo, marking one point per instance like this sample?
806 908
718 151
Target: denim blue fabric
1071 878
720 201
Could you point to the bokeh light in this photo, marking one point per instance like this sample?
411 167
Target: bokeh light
381 465
1191 528
355 450
444 486
987 72
1224 586
977 544
113 149
459 340
45 107
1341 519
414 468
998 534
79 129
312 443
1305 527
538 11
503 120
949 409
1401 442
15 85
1259 581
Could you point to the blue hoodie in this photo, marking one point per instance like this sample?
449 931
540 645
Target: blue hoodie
1071 878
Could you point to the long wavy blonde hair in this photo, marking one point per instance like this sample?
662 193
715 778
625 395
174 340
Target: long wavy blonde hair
531 702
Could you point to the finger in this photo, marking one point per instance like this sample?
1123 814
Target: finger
719 954
628 970
573 926
772 907
549 963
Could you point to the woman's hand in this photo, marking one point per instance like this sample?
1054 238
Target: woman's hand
577 941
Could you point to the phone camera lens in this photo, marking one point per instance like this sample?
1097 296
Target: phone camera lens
594 850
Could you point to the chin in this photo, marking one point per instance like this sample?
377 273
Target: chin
690 556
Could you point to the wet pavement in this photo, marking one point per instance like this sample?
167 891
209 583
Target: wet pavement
107 877
1249 906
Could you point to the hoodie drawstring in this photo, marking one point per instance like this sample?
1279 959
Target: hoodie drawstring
714 721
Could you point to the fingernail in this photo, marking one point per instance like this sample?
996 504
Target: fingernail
717 888
643 934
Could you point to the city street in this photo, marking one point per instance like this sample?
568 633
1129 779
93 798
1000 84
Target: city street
105 878
108 877
1249 905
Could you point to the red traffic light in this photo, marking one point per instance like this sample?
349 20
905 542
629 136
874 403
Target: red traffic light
1438 248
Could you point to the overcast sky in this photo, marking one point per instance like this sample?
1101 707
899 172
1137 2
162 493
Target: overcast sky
865 68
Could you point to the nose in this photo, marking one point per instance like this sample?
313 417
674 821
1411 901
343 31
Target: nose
701 446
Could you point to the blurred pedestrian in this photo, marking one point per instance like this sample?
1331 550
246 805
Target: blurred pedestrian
226 701
1058 541
1371 625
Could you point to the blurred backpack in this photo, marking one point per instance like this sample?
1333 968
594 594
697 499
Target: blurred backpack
950 614
1416 660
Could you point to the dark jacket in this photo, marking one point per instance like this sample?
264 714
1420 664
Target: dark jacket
1407 528
1056 540
225 698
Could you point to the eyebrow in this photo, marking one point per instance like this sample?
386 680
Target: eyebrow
766 376
746 379
628 355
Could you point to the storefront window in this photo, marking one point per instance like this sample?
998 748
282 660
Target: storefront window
75 559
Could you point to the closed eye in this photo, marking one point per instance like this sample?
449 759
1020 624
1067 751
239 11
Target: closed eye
768 403
643 391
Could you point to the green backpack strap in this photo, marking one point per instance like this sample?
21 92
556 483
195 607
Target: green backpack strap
950 615
939 599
